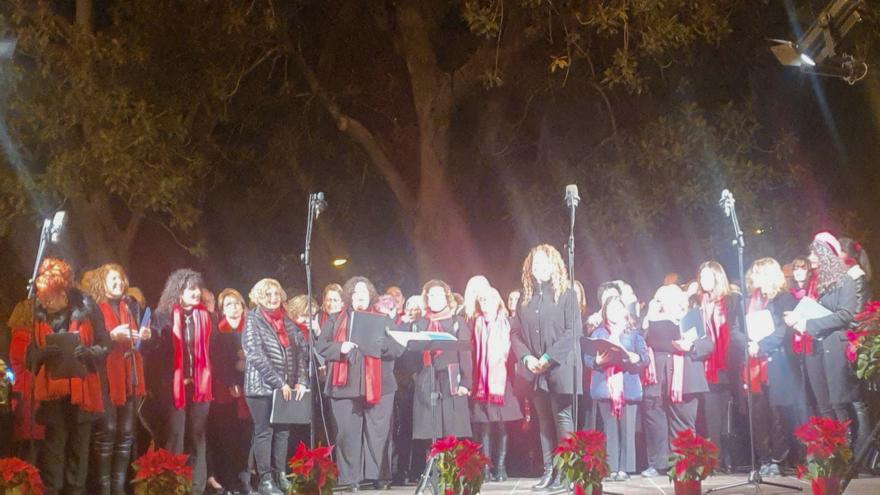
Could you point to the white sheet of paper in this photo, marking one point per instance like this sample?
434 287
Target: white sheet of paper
760 325
809 309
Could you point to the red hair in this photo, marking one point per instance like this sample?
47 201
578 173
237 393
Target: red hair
54 276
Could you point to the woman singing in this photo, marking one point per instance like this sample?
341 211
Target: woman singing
548 320
275 359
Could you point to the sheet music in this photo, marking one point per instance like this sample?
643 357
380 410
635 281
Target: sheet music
760 325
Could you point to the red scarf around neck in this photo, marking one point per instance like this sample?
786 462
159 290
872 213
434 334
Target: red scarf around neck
492 348
275 318
120 380
372 364
802 343
755 374
201 352
435 324
714 314
225 327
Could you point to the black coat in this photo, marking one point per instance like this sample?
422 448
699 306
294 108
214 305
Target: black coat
694 374
545 326
451 412
785 374
737 343
224 358
829 333
355 385
268 365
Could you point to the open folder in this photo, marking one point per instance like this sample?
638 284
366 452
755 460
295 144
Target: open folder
809 309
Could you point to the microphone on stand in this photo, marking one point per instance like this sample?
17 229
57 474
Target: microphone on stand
571 196
726 201
320 204
57 226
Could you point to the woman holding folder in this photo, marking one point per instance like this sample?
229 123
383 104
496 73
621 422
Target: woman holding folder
616 385
361 385
275 359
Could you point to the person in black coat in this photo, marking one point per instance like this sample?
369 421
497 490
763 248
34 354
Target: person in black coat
542 336
452 381
669 405
361 385
775 375
275 359
722 321
831 378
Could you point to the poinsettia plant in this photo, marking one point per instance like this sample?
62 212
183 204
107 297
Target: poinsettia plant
581 458
828 451
864 342
460 465
18 477
313 470
159 472
693 457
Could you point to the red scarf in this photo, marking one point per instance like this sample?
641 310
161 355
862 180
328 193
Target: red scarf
755 374
802 343
715 323
84 392
491 350
119 376
435 325
201 352
303 329
676 380
275 318
225 327
372 364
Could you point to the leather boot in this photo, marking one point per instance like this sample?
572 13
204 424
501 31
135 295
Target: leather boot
103 463
863 432
500 466
282 482
558 483
119 473
267 486
487 450
545 481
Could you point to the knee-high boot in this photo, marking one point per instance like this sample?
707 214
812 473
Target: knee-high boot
121 458
486 436
103 461
500 466
863 429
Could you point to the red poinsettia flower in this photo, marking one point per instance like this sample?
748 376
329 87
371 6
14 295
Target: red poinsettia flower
443 445
15 472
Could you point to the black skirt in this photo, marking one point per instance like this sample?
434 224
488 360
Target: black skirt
485 412
451 414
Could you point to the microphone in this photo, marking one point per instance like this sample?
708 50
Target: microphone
320 204
726 201
571 196
58 222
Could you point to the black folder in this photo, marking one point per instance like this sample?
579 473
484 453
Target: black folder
291 412
593 346
65 365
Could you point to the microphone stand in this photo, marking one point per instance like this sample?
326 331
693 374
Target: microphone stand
45 235
307 262
572 203
729 205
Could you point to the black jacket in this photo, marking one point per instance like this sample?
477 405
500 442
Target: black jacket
831 342
355 386
545 326
785 375
694 374
80 307
268 365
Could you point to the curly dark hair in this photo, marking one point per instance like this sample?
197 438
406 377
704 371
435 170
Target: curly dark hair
177 282
350 284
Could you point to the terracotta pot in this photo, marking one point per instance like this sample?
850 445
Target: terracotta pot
826 486
688 487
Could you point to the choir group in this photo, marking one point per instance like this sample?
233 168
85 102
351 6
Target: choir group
198 374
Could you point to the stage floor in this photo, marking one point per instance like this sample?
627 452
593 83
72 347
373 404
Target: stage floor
661 486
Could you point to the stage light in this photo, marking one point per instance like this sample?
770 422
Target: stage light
816 52
337 262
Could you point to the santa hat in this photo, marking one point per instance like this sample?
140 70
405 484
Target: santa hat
830 241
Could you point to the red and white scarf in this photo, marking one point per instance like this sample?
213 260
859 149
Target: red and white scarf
492 348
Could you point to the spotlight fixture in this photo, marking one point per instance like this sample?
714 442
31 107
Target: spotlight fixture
816 52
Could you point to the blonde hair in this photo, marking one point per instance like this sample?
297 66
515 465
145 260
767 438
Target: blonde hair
559 278
138 295
93 282
227 293
299 306
766 275
22 316
259 293
492 293
334 287
472 290
581 296
722 285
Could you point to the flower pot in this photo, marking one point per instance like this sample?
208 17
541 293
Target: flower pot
688 487
580 490
826 486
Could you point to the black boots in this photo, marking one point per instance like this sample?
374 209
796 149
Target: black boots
103 464
485 438
500 468
545 481
119 473
282 482
267 486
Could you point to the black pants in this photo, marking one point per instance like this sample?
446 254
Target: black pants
229 443
817 381
554 421
186 434
113 439
772 430
663 420
717 418
363 439
620 436
402 447
63 460
269 444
